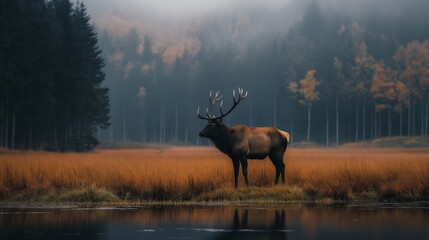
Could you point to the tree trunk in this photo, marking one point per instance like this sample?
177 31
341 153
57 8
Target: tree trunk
363 118
124 126
336 121
375 122
409 120
400 122
6 132
426 117
176 124
309 124
160 124
12 137
2 118
371 127
111 132
389 123
144 133
55 134
164 125
379 127
414 120
1 130
30 136
327 125
422 119
98 133
357 121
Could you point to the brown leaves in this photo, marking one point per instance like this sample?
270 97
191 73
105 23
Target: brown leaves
306 88
387 90
414 59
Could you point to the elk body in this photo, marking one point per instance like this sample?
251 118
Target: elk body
241 143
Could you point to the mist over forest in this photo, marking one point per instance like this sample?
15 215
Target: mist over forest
360 52
326 71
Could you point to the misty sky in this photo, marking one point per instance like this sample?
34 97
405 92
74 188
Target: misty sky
174 8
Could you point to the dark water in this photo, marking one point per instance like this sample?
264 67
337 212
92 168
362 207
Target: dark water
286 222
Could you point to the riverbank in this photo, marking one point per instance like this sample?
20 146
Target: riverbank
252 196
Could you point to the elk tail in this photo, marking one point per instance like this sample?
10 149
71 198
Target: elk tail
285 135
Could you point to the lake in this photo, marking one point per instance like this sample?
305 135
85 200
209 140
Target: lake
393 221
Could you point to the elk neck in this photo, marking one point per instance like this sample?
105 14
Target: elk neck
222 138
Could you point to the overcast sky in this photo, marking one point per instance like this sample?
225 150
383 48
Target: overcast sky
173 8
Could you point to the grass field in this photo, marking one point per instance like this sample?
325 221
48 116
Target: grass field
204 174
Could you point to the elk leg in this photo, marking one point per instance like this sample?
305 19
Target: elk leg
244 169
278 164
283 173
281 165
277 175
236 164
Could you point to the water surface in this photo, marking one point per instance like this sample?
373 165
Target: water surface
284 222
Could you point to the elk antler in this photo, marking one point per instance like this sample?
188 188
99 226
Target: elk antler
216 98
209 111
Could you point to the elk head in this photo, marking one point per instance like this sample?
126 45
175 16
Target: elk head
214 124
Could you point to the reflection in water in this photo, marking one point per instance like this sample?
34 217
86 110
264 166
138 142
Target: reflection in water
291 222
269 229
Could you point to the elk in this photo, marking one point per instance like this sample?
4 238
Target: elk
242 142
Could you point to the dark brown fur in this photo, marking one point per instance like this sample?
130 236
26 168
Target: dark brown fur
241 143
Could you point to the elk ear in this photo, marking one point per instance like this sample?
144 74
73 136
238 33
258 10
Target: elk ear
219 121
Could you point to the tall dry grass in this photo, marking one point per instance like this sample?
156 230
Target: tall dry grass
188 173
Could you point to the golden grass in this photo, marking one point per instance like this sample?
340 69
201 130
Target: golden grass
191 173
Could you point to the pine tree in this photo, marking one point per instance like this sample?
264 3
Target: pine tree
91 98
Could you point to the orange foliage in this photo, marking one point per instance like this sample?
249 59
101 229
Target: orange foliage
387 90
414 58
362 69
306 88
403 99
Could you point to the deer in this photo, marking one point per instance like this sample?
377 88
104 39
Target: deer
241 142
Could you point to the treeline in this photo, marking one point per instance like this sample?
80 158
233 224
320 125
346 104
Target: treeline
331 78
51 71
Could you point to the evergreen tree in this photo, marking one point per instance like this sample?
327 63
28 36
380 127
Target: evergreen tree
91 98
51 75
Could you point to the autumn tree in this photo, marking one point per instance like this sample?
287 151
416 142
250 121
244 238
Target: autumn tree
402 101
306 90
383 90
413 60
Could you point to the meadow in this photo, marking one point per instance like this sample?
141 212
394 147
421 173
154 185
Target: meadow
204 174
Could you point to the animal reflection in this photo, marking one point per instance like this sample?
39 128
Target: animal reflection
257 228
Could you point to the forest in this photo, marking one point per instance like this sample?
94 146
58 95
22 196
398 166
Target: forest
332 76
51 74
329 75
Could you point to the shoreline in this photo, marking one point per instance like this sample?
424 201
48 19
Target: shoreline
278 195
210 204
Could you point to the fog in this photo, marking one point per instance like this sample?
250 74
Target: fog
176 8
263 46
